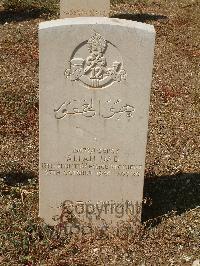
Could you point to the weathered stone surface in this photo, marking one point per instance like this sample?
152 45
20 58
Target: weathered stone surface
84 8
95 80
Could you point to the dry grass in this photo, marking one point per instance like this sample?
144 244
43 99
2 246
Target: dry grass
173 152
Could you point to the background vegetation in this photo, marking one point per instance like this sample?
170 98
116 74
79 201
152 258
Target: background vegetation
50 5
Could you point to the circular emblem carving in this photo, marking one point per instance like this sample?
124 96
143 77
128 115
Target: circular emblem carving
97 70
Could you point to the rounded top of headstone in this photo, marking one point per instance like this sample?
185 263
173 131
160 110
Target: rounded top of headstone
97 20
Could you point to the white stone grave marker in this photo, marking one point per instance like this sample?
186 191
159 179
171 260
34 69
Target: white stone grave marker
95 80
84 8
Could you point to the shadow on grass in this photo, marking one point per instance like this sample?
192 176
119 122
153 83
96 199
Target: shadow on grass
18 16
16 178
140 17
165 194
178 193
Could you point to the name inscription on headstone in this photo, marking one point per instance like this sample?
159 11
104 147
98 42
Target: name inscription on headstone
92 161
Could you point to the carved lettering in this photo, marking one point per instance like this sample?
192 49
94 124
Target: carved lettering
91 108
82 12
92 161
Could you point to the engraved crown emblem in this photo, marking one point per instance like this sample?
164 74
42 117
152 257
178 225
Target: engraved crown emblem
93 71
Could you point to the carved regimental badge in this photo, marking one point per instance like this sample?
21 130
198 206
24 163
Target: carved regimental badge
97 70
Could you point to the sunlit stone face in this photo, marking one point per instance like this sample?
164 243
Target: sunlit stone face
94 102
84 8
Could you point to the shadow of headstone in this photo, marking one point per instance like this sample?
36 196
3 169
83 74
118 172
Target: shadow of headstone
18 16
140 17
16 178
178 193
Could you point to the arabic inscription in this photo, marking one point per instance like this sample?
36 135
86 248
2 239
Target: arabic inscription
89 109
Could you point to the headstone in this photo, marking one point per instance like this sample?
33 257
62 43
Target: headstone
94 103
84 8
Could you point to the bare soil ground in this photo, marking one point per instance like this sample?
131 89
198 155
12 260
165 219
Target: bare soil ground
170 233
